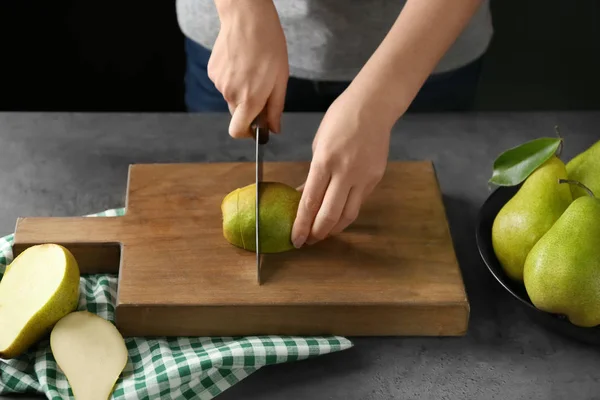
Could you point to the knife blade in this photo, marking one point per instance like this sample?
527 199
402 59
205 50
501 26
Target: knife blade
261 137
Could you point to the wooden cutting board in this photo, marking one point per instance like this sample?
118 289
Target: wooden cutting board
393 272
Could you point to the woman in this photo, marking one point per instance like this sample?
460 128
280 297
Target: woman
365 63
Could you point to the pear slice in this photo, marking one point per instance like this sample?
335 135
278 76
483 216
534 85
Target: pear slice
38 288
91 353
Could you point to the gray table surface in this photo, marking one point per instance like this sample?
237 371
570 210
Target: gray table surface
73 164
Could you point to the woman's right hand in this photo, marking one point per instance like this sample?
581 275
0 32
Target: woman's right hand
249 63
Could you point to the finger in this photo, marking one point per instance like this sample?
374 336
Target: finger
351 210
310 202
232 108
301 187
330 211
368 190
242 118
275 106
315 142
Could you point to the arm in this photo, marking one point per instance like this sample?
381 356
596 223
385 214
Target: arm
249 64
423 32
351 145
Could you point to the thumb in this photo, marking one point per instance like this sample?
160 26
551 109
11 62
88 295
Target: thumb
242 118
275 106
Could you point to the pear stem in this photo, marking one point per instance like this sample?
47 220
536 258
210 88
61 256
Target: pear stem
581 185
560 145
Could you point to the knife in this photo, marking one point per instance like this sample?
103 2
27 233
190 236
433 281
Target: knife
261 137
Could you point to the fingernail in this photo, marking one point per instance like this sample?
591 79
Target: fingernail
299 241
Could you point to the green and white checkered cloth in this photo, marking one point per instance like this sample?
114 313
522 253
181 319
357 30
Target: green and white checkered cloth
164 368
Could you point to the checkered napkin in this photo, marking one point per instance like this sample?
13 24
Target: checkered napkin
166 368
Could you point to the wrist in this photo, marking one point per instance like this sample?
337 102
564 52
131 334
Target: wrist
242 10
380 99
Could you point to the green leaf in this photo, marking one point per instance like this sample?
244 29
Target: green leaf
514 165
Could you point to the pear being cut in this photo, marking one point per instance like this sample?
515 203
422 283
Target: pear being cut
38 288
91 353
278 206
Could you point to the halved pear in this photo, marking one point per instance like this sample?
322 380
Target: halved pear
91 353
38 288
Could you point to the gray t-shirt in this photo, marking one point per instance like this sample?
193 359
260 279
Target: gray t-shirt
333 39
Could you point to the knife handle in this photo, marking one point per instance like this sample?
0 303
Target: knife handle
260 127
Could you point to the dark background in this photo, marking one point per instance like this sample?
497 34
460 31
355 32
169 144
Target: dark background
128 56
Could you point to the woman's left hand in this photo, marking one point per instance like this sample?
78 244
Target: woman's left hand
350 152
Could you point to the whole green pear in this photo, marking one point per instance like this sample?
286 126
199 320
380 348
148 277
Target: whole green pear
585 168
529 214
562 270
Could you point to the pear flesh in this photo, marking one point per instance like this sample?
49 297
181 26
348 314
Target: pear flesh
529 214
38 288
562 270
91 353
585 168
278 207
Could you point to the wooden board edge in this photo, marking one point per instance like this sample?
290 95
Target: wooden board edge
440 195
451 320
130 171
133 167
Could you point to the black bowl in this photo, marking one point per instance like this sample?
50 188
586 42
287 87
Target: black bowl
555 322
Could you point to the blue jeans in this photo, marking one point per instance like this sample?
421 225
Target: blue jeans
449 91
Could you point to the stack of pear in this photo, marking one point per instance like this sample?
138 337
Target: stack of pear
547 236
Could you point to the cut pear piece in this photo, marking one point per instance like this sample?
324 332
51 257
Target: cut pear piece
91 353
38 288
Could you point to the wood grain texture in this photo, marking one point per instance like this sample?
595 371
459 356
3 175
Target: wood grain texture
393 272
